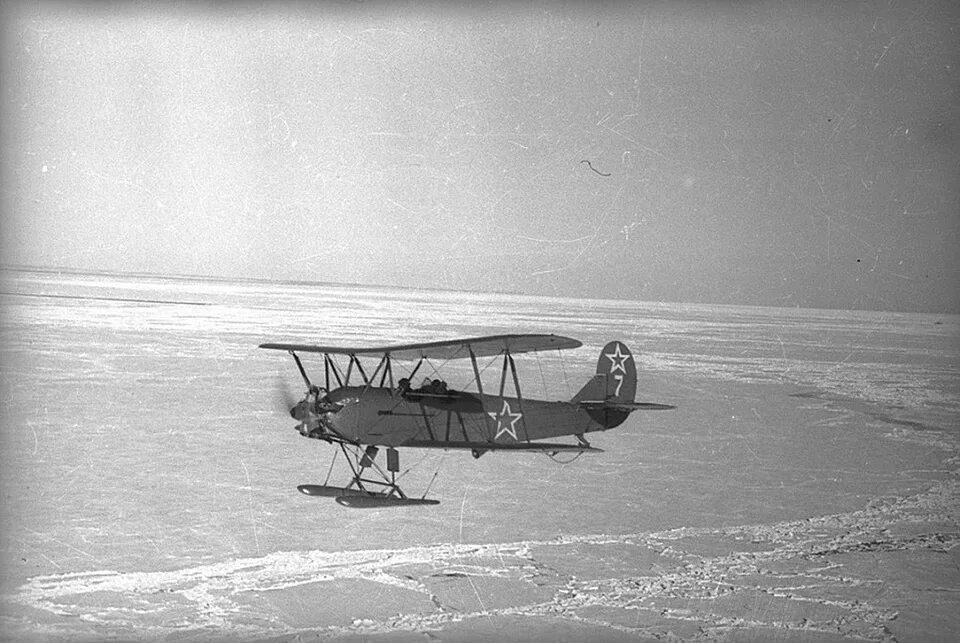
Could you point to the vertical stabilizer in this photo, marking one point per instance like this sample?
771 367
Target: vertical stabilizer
616 363
615 381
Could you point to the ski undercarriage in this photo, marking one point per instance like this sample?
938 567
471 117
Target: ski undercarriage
362 490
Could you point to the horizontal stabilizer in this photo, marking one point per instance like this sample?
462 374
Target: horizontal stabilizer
601 405
549 447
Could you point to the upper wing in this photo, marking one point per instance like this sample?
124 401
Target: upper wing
450 349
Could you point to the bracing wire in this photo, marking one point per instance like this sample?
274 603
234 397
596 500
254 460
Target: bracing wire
436 369
563 366
417 464
543 380
413 466
427 490
435 474
432 367
330 470
494 359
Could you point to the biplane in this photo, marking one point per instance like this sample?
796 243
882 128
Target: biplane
379 411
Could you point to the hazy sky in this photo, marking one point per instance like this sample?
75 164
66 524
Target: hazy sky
753 153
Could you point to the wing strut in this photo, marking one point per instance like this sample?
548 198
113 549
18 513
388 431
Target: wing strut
363 375
516 386
331 366
476 374
303 373
508 361
388 371
369 382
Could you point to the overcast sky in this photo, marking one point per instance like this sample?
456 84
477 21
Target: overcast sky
753 153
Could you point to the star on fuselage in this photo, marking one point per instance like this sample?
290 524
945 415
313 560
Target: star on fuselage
506 421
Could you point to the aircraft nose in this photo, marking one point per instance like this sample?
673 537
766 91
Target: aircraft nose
296 411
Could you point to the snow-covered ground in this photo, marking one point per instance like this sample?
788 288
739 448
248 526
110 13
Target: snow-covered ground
804 489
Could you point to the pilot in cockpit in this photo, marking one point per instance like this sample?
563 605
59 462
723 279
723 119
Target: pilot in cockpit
433 387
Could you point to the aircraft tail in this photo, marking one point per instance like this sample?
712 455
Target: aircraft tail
609 395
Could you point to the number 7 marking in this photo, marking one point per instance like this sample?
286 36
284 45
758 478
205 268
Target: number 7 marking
619 379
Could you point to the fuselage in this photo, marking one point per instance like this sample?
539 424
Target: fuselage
387 417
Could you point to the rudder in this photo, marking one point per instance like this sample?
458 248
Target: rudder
616 363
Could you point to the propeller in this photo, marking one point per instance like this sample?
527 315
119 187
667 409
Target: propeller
283 398
312 410
302 410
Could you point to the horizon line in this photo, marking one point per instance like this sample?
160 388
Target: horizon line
307 282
